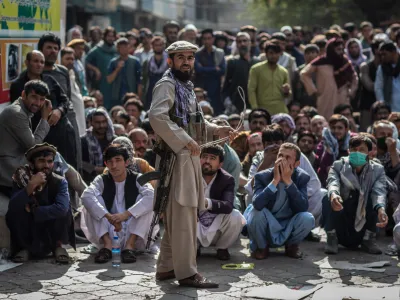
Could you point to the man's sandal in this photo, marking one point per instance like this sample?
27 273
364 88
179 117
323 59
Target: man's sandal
104 255
128 256
61 255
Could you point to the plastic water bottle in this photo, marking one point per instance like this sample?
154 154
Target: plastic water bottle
116 252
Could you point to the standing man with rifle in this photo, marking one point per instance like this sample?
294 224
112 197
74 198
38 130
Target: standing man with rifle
181 129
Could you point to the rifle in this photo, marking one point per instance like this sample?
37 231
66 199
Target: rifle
164 174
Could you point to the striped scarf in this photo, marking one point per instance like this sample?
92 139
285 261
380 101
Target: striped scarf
183 93
331 142
95 153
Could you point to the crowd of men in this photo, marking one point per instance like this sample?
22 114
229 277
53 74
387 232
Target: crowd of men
315 141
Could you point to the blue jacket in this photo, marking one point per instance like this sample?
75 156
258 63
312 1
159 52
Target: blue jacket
264 196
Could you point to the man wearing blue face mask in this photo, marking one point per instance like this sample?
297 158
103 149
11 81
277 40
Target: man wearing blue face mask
357 200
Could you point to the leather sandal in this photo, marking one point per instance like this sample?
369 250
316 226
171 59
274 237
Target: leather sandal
161 276
293 251
128 256
199 282
104 255
61 255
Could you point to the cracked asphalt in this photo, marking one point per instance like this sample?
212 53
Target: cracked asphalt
83 279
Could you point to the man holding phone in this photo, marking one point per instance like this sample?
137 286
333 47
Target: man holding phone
278 215
357 199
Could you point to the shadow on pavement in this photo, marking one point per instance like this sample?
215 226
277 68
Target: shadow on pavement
376 279
144 264
26 279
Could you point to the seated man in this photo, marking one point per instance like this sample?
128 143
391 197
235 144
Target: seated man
97 138
16 134
318 123
126 120
39 214
219 224
389 157
306 140
346 110
231 162
135 164
256 122
278 215
357 195
140 141
115 204
150 155
287 124
273 137
254 142
334 145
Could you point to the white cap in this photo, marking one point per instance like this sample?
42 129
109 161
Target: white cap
190 27
287 28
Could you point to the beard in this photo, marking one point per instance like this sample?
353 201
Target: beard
100 131
243 50
307 151
207 170
354 55
49 63
46 171
141 150
159 52
108 43
182 76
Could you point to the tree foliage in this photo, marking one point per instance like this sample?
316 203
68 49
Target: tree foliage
311 13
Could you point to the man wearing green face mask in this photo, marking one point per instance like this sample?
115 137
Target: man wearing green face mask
357 200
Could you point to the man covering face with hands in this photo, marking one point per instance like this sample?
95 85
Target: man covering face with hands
278 215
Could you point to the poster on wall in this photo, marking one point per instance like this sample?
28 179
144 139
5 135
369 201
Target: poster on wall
12 65
13 60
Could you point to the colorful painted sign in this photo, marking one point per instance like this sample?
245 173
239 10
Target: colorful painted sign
22 23
29 17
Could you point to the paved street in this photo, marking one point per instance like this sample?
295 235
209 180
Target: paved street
85 280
